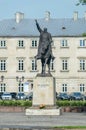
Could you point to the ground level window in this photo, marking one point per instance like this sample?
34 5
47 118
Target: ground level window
82 87
64 87
21 87
2 87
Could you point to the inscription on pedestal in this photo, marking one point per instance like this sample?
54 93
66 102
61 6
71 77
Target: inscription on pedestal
43 85
44 91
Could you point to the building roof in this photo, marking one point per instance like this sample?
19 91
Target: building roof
57 27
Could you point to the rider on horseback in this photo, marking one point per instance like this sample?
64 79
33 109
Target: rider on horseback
44 42
44 48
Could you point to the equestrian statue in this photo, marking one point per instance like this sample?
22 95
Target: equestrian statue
44 49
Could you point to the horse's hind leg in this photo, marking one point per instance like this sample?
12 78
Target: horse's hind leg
49 68
43 69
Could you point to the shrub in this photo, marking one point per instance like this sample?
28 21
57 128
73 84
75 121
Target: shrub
63 103
15 103
26 103
70 103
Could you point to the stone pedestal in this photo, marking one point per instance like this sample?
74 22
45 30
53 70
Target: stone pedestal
44 94
44 91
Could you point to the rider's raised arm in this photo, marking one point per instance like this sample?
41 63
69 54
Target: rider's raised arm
38 27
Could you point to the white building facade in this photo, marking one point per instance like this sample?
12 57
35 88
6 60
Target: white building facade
19 39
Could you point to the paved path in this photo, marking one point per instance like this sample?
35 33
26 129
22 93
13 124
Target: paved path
20 120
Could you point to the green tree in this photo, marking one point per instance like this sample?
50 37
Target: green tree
82 2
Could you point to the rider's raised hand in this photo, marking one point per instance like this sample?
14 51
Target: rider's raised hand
36 20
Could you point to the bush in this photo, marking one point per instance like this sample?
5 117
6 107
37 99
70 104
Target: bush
63 103
70 103
26 103
15 103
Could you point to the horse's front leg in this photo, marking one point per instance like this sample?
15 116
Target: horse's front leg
45 64
42 62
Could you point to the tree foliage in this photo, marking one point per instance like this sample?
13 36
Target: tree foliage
82 2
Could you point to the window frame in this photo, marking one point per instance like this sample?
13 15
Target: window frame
2 43
82 43
52 65
21 87
3 64
20 64
82 64
64 43
2 87
65 66
64 87
34 43
33 65
82 87
21 44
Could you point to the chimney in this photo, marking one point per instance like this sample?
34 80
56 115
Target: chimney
47 15
19 16
75 16
85 15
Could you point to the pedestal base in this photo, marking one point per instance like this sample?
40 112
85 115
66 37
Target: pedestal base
44 97
43 112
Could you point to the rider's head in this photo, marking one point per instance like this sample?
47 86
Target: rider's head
45 29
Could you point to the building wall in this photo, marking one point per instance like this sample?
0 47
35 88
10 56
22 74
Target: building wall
72 77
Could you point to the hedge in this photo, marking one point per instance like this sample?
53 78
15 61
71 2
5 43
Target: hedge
23 103
27 103
70 103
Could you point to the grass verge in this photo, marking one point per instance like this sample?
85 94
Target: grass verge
71 127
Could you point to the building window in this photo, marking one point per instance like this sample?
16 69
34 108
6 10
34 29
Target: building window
64 43
2 87
2 65
34 65
82 43
82 87
20 43
21 87
52 65
34 43
2 44
64 64
20 64
64 87
82 64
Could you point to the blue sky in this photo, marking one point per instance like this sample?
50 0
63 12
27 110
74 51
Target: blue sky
37 8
